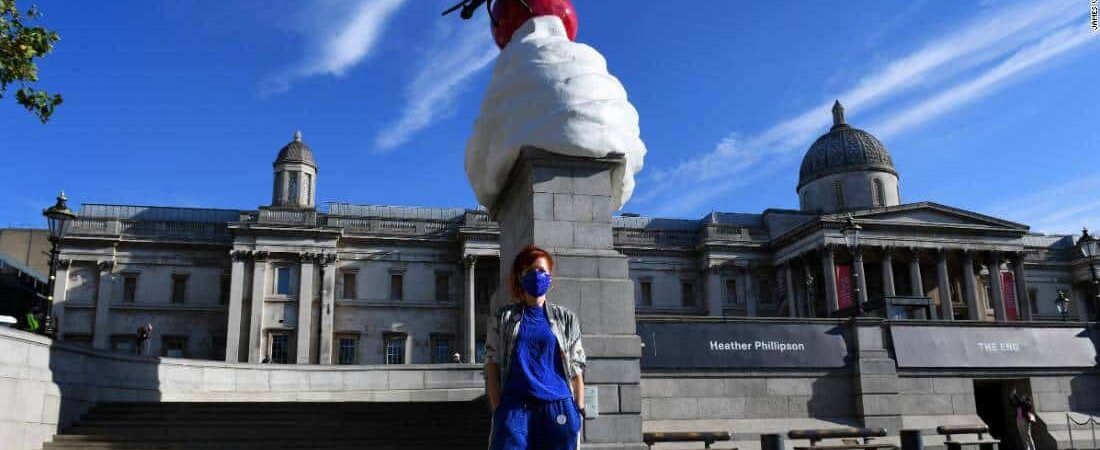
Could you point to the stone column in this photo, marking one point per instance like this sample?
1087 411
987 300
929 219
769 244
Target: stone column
970 283
101 337
328 308
469 311
876 378
305 308
888 274
1023 298
861 275
788 287
236 336
750 292
563 204
714 291
256 323
808 283
828 266
943 282
997 286
58 296
916 281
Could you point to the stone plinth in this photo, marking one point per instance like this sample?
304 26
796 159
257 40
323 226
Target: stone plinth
563 204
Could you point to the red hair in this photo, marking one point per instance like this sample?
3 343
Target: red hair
525 259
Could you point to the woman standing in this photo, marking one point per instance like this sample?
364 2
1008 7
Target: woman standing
534 363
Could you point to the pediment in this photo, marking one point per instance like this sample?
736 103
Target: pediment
927 213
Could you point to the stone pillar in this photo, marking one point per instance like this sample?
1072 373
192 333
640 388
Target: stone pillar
828 266
876 378
943 281
256 323
563 204
916 281
997 286
788 288
328 308
59 294
808 283
714 291
1023 298
101 337
750 293
469 311
970 283
236 336
861 275
305 308
888 274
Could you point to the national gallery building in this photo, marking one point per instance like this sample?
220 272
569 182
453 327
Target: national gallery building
738 313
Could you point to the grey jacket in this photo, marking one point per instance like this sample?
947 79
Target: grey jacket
504 327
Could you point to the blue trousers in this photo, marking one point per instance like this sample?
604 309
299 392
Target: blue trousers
536 425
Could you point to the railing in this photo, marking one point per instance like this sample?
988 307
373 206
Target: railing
1091 422
201 231
288 217
706 437
654 237
394 227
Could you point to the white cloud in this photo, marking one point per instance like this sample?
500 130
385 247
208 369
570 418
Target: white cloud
982 40
458 51
1047 211
343 39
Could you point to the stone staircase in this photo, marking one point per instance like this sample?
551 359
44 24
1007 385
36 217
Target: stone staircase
327 426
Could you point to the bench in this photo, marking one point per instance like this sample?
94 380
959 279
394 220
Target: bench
981 442
706 437
849 438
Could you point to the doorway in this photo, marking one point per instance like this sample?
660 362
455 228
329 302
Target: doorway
994 408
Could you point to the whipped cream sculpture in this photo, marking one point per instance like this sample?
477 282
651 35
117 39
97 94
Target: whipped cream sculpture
551 93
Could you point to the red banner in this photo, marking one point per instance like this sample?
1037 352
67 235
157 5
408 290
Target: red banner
844 294
1008 291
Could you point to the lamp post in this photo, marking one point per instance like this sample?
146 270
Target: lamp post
851 232
58 217
1062 304
1089 246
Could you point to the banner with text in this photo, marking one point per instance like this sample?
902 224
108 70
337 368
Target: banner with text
742 345
992 347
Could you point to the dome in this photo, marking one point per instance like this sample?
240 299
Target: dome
296 152
844 149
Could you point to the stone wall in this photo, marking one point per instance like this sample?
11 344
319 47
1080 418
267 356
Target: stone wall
44 385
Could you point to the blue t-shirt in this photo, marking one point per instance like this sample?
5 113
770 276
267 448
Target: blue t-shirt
536 371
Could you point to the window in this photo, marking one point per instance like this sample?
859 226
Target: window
173 346
645 289
179 288
309 189
1033 294
878 193
731 293
350 280
129 287
280 350
79 339
126 344
838 194
765 291
292 188
397 286
223 291
394 347
282 281
349 350
479 349
442 287
687 293
484 286
441 348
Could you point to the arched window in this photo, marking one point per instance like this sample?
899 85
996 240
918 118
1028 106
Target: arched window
878 192
838 194
292 189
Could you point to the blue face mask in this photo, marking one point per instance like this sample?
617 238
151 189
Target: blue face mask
536 282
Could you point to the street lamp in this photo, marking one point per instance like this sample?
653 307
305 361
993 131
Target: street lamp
852 232
1089 246
59 217
1062 304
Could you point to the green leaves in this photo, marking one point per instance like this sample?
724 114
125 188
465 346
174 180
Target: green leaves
20 46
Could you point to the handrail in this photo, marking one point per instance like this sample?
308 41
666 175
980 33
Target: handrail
1090 421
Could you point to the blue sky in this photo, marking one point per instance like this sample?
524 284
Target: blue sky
987 105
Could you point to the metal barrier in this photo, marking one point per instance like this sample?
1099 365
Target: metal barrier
1091 422
816 435
707 438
